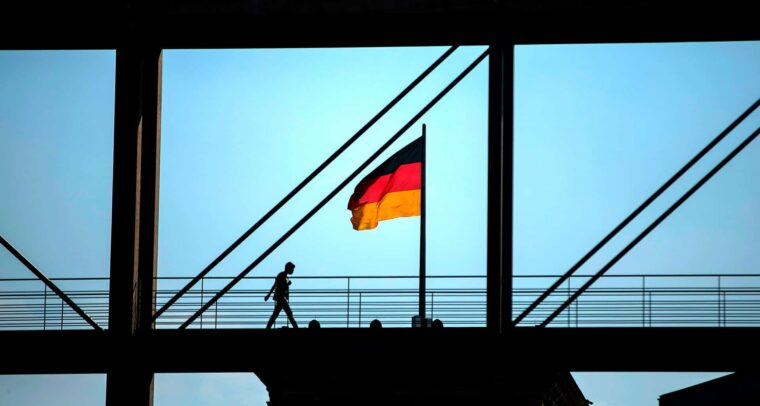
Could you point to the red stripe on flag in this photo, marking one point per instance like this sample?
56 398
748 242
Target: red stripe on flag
406 177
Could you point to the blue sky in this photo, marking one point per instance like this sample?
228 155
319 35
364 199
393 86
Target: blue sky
56 152
635 388
597 128
256 137
604 389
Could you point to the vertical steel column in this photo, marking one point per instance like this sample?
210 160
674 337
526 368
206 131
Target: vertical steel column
507 83
134 229
499 229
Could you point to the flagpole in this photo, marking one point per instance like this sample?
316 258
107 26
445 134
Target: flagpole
422 313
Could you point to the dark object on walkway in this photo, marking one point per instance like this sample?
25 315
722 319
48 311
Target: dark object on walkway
281 288
417 322
314 324
375 324
437 323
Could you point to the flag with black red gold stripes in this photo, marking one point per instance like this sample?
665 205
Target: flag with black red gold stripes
392 190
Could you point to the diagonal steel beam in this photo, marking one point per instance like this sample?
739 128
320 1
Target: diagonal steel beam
335 191
306 181
651 227
49 283
636 212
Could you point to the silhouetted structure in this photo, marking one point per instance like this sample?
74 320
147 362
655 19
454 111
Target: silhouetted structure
740 388
376 388
471 366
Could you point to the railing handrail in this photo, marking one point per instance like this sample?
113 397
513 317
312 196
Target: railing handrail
616 276
100 278
331 277
654 275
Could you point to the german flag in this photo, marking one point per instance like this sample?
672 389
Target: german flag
392 190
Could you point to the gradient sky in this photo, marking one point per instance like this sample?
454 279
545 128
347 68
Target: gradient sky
597 128
254 138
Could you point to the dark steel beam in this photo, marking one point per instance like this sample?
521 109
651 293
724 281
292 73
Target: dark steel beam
135 189
507 178
45 24
134 218
494 231
150 160
500 186
525 348
636 349
55 352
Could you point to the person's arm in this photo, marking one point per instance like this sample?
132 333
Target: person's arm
270 290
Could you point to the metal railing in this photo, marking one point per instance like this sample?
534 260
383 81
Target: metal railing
334 301
655 300
665 300
28 304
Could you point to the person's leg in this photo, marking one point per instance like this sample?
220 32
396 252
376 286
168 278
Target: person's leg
289 312
277 308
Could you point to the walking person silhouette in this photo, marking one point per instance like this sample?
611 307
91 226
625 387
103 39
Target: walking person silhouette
281 288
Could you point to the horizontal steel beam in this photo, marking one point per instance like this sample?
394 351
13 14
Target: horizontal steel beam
585 349
293 23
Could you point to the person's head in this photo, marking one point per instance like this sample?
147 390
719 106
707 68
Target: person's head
289 267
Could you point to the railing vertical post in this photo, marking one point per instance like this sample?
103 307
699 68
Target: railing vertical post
568 296
44 307
643 301
719 311
575 305
201 318
570 310
724 308
348 299
432 305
